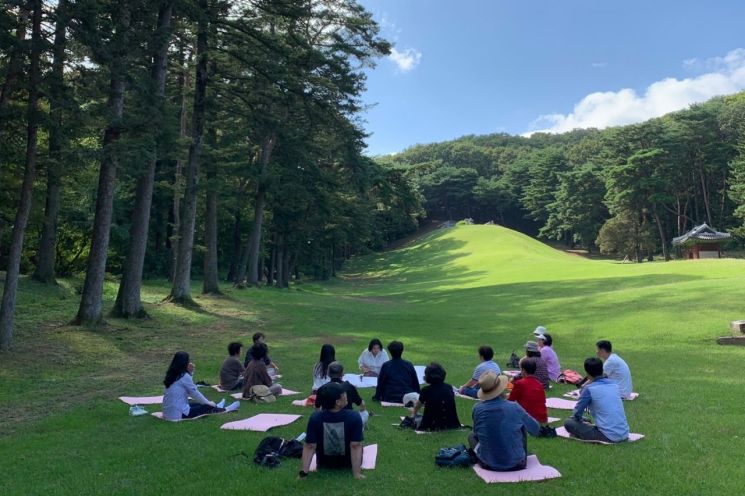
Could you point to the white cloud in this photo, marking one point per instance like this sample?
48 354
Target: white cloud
615 108
407 59
599 65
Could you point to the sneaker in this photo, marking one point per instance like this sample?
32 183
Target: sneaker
233 406
137 410
221 404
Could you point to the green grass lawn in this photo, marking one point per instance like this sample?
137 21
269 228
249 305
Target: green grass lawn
64 432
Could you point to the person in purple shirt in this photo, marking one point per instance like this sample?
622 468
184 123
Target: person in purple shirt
545 341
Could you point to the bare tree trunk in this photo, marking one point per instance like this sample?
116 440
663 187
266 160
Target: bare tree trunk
10 289
236 254
285 267
15 63
128 302
280 261
90 311
705 193
663 238
48 243
181 289
272 262
211 284
255 241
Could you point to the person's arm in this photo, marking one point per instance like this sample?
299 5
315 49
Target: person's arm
531 424
416 408
380 388
265 378
516 392
362 407
274 365
469 384
414 379
194 392
309 449
356 452
361 362
584 401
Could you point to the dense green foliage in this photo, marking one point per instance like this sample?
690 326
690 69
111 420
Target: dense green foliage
658 178
64 431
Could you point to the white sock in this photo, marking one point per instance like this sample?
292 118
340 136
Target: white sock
233 406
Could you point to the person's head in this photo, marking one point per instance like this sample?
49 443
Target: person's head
604 349
594 367
492 385
258 337
486 353
434 374
178 368
336 370
328 355
527 366
532 349
396 349
545 339
259 351
375 346
539 330
334 396
234 348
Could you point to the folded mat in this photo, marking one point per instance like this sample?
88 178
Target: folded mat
386 403
562 432
261 422
142 400
285 392
159 415
560 404
369 457
575 395
511 373
534 471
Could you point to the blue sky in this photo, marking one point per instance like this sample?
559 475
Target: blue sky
515 66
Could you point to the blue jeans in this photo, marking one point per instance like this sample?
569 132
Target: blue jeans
473 392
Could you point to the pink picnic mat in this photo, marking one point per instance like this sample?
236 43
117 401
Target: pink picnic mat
560 404
369 457
575 395
159 415
261 422
142 400
534 471
562 432
285 392
386 403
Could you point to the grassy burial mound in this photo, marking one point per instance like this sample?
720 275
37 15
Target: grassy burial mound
443 295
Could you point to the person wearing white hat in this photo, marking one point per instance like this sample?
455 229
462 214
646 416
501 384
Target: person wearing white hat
545 342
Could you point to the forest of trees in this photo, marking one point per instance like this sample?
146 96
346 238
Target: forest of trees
210 139
626 190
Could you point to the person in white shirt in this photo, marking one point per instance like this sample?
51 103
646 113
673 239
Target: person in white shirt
321 368
373 358
614 368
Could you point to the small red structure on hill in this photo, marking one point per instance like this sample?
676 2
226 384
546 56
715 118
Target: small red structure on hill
702 242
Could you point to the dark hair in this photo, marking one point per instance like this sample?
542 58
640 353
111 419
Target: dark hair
328 355
373 342
532 354
594 367
331 392
336 370
434 373
259 351
604 345
177 368
547 339
234 348
257 336
486 352
396 348
528 365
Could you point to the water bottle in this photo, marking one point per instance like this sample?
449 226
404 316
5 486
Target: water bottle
301 437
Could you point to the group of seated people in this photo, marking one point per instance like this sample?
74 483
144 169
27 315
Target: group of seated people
510 408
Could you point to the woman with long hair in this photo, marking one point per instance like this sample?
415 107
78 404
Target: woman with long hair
180 387
321 368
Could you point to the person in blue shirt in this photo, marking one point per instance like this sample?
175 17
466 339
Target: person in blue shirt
397 377
615 368
500 427
602 398
486 355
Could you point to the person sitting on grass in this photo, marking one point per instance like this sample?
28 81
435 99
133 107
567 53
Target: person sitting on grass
256 373
336 372
260 337
541 371
321 368
500 427
615 368
601 396
486 355
545 341
528 391
372 358
397 376
438 401
231 372
179 387
334 435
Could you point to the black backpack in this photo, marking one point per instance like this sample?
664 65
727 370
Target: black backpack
458 456
514 362
271 450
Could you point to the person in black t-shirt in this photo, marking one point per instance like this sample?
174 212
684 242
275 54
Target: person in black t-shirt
336 372
334 435
438 401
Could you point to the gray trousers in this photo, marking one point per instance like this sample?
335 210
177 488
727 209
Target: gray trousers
584 431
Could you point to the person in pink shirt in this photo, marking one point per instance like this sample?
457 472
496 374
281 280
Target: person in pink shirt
545 341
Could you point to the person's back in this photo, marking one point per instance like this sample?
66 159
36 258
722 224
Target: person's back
439 408
256 375
617 371
529 394
500 427
353 396
606 408
397 377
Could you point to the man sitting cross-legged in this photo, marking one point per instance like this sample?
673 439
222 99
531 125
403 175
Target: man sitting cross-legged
334 434
336 372
486 355
397 377
601 396
528 391
615 368
256 373
231 372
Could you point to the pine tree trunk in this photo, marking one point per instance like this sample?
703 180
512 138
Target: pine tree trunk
255 241
15 63
272 262
236 253
181 289
663 239
10 289
128 302
286 268
280 261
90 311
211 283
47 255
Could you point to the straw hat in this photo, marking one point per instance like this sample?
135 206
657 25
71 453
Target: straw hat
492 385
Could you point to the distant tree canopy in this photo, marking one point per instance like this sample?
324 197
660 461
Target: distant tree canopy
587 188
